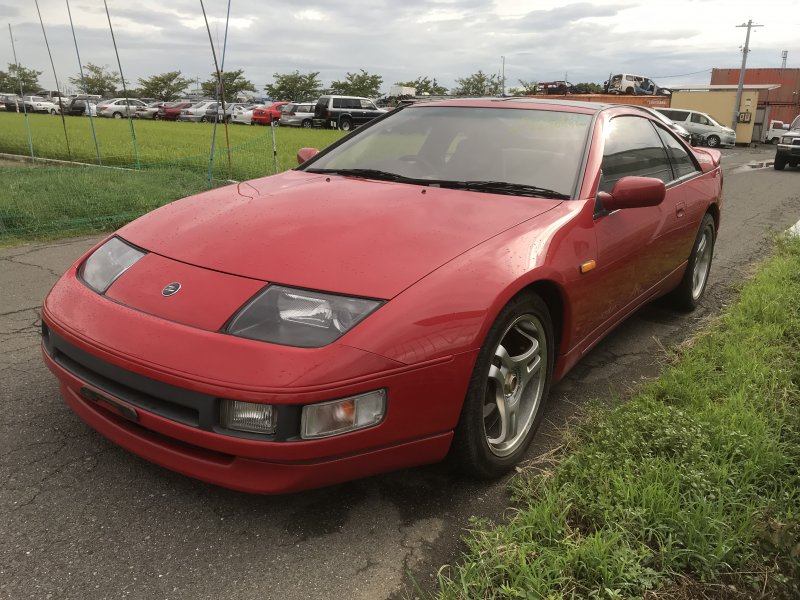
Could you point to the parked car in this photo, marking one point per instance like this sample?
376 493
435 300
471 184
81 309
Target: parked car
678 129
554 87
196 112
634 85
704 129
78 106
788 150
245 115
150 110
336 330
268 114
297 114
11 102
38 104
214 112
345 112
3 96
118 108
172 110
776 129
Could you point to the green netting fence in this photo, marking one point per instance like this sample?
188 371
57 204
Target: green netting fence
40 199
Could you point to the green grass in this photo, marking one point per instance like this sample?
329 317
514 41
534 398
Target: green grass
161 144
45 201
690 490
39 203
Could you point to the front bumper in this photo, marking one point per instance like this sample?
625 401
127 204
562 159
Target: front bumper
789 151
172 376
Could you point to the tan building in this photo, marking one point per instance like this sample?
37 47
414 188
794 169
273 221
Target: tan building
718 100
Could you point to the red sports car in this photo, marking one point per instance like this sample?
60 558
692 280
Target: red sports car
171 110
268 114
410 291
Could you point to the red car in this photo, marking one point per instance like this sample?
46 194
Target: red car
413 290
268 114
171 110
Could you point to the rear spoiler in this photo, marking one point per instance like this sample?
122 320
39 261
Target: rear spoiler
709 158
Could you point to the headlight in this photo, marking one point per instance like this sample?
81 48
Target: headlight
341 416
787 139
107 263
292 317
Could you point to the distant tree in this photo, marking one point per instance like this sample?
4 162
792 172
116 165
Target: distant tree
167 86
526 88
295 86
425 86
10 79
588 88
234 82
99 80
358 84
479 84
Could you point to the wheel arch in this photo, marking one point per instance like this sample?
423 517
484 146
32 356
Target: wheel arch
713 210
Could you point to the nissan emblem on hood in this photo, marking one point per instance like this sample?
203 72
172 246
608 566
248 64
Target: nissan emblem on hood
171 289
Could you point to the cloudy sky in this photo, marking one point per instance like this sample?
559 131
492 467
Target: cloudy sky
672 41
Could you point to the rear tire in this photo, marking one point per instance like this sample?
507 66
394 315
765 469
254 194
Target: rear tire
690 290
507 391
780 163
117 115
346 124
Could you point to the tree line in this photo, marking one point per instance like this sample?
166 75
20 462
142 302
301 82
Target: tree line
172 85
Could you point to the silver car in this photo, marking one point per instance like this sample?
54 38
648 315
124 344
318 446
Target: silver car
149 111
702 126
119 107
297 114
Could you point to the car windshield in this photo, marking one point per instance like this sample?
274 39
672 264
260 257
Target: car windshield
501 150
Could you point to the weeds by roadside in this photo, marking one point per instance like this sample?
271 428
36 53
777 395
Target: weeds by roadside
690 490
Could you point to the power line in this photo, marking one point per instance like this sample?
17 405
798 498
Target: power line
682 74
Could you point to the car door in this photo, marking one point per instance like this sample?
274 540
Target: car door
634 247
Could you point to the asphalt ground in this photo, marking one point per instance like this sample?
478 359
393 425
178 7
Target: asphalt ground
82 518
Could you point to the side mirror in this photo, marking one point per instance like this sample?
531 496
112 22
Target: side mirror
634 192
786 126
305 154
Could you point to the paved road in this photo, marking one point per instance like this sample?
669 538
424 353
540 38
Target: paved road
80 518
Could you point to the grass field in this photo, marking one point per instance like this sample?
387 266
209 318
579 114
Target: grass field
45 201
690 490
161 144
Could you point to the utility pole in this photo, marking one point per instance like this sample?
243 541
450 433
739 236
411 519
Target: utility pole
745 50
784 55
503 76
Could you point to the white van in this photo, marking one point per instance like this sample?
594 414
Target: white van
634 85
703 127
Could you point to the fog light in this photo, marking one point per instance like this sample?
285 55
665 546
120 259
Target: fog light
252 417
340 416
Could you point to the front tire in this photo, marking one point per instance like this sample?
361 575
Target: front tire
306 124
53 111
780 163
507 391
713 141
690 290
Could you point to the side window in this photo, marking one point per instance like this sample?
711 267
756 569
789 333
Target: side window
633 147
353 103
700 119
338 102
682 163
367 105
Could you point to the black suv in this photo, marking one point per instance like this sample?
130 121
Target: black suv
345 112
76 107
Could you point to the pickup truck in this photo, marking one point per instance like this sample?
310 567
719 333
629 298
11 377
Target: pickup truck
788 150
775 131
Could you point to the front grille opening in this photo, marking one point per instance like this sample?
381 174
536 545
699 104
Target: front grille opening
158 406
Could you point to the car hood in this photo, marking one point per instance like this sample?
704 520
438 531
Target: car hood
332 233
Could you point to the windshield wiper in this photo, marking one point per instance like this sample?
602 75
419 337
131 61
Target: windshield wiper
503 187
368 174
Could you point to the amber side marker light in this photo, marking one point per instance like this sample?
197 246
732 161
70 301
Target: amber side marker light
588 266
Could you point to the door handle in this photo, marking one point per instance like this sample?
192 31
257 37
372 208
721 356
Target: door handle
680 209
